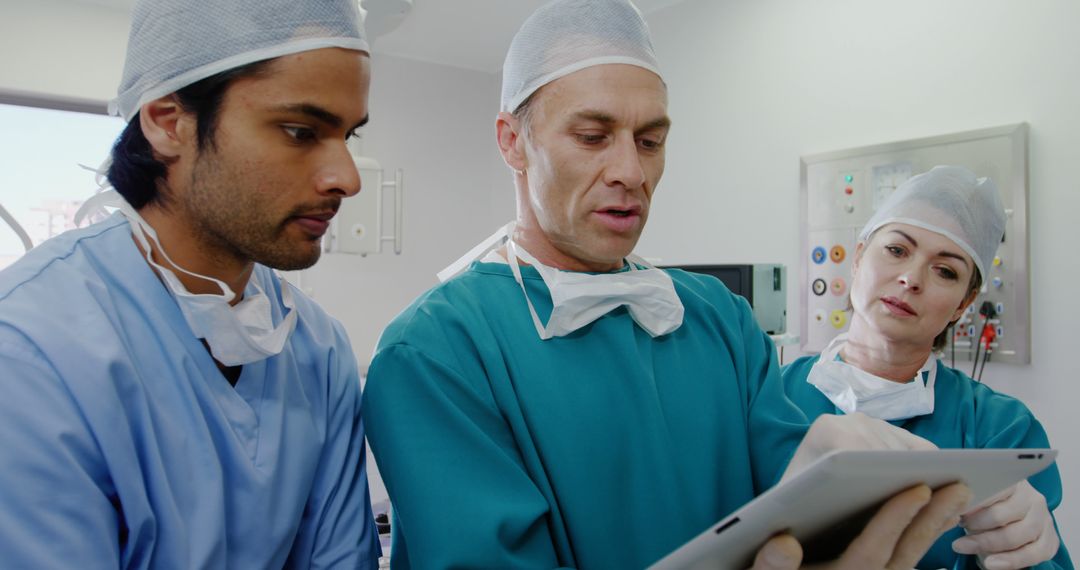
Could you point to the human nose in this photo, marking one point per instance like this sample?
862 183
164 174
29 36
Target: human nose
338 175
624 167
911 278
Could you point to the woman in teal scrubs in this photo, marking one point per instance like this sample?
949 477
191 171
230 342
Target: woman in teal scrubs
919 264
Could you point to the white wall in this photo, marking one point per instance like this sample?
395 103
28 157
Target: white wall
61 48
754 85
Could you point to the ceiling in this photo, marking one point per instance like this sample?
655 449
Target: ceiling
473 34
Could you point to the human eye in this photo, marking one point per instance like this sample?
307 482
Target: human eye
590 139
352 134
651 143
895 250
298 133
948 273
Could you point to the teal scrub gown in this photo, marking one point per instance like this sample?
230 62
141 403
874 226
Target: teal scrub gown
967 415
125 446
606 448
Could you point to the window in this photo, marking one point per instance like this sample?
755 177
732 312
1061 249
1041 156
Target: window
41 182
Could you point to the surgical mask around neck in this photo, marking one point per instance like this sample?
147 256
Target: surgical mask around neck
236 334
477 252
578 299
853 390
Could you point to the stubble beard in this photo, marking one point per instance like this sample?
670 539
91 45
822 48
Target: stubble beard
231 219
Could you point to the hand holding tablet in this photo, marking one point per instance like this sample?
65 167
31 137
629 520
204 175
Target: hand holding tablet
826 505
897 536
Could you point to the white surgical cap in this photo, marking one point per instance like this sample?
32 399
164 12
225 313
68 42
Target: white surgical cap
565 36
948 200
175 43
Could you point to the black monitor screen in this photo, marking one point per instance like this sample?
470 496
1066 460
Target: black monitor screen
738 278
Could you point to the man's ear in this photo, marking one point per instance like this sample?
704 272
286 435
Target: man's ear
509 133
166 126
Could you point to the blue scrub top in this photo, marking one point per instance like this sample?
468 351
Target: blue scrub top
606 448
967 415
125 446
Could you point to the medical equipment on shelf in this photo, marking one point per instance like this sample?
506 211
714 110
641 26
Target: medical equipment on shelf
841 191
18 229
358 226
764 285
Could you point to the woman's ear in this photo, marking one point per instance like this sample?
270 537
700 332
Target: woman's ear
857 257
968 300
166 126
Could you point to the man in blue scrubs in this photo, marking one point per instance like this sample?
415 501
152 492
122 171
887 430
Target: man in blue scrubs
168 401
562 403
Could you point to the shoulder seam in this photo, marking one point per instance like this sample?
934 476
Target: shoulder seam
66 254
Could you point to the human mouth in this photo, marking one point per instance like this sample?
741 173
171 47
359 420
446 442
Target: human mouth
620 218
898 307
314 223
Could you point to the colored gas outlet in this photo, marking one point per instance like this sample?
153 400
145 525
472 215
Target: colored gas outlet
838 287
838 318
819 287
820 317
818 255
837 253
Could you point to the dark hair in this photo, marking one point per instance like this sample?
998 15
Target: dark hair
942 339
135 172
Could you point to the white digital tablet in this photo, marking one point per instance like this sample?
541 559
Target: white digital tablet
828 503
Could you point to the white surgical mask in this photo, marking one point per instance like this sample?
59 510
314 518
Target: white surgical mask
236 334
854 390
580 298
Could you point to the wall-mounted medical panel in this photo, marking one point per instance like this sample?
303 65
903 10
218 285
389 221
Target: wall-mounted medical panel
841 190
358 226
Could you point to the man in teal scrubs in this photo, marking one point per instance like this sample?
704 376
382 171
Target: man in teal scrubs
586 409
